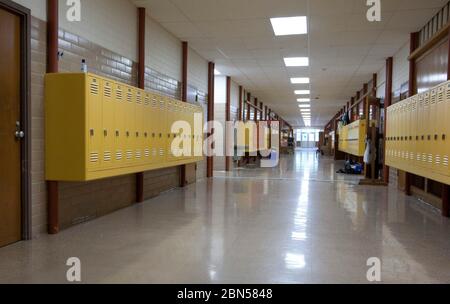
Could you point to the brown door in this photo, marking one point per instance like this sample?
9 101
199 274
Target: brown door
10 158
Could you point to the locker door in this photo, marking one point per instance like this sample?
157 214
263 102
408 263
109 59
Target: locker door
168 134
94 107
446 130
147 128
162 129
420 130
439 130
408 132
138 127
130 106
413 132
119 125
402 131
432 135
108 102
154 133
427 135
388 135
191 134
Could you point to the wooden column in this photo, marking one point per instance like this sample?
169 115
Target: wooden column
52 67
210 158
184 89
228 119
141 85
414 43
387 103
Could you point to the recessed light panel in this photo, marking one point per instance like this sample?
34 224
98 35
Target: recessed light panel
304 106
289 25
302 92
304 100
300 80
296 61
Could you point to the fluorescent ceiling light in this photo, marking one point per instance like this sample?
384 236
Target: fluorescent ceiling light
302 92
304 100
217 73
304 106
296 61
289 26
300 80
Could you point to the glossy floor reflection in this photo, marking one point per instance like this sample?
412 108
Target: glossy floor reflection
300 223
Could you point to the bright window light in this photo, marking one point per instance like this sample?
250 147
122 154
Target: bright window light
302 92
300 80
296 61
304 100
289 26
217 73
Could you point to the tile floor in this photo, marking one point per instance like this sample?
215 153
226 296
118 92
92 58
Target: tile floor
299 223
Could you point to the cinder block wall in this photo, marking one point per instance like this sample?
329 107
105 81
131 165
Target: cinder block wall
106 55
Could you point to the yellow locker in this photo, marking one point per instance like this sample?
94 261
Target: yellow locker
139 126
109 105
169 134
130 106
432 135
103 128
119 128
446 131
427 131
421 131
413 132
407 135
162 129
94 113
147 136
153 124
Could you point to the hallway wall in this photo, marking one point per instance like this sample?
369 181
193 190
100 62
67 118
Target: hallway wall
80 202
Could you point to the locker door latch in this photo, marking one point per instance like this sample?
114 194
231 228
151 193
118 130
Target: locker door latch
19 133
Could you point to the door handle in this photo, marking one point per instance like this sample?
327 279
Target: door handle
19 133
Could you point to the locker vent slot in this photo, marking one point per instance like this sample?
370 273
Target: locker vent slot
107 92
147 152
448 92
154 152
161 104
437 159
424 157
107 156
445 160
129 154
441 94
119 155
147 100
94 88
138 154
161 152
430 158
119 94
94 157
138 99
129 97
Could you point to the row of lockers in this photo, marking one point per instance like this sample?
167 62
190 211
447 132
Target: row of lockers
417 134
352 138
97 127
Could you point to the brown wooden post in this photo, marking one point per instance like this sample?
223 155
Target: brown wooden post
228 119
387 103
141 85
184 90
52 67
210 158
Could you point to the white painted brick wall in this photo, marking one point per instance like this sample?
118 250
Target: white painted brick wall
111 24
163 50
197 71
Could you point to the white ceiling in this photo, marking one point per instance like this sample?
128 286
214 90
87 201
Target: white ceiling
344 48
